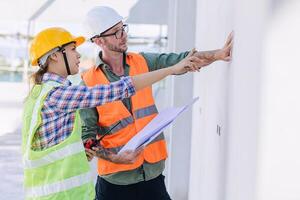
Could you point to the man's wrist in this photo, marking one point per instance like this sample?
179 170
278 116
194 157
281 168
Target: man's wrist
218 54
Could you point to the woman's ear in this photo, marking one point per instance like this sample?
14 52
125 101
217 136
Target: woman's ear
54 56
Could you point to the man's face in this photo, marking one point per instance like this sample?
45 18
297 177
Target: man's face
112 43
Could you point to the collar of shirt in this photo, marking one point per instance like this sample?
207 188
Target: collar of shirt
57 78
103 65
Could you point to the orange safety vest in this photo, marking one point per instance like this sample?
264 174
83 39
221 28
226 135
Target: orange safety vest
143 111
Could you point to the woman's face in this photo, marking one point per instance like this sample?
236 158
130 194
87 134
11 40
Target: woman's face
73 58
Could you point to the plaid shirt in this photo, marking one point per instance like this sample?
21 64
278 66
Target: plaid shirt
58 112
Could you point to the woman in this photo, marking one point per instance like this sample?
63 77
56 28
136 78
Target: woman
55 162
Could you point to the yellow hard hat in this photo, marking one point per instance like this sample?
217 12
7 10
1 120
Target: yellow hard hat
49 39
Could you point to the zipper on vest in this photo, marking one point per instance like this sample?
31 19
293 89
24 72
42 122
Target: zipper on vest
143 172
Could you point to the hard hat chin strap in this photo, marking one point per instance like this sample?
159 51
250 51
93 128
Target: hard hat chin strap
63 51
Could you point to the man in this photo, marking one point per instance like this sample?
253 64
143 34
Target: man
138 174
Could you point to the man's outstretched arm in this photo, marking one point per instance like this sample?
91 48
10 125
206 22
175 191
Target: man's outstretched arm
224 54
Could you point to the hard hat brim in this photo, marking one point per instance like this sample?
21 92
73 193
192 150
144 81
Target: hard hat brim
79 40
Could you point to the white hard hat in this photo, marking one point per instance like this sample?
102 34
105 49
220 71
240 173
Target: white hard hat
101 18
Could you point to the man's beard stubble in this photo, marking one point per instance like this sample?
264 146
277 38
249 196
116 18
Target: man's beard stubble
117 49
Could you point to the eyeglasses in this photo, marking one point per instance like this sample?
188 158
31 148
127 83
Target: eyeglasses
118 34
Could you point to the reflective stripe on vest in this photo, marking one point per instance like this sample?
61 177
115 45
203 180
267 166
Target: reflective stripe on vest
57 187
158 138
143 112
62 153
123 124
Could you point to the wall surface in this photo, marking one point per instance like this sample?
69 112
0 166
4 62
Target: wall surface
224 159
214 23
181 32
244 102
244 142
279 163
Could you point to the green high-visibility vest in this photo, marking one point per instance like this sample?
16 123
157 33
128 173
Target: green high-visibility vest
61 171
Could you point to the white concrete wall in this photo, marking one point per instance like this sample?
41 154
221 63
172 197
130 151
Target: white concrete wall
224 166
254 100
214 23
279 149
250 20
181 34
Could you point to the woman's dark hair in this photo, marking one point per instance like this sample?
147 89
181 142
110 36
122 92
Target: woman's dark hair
37 77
